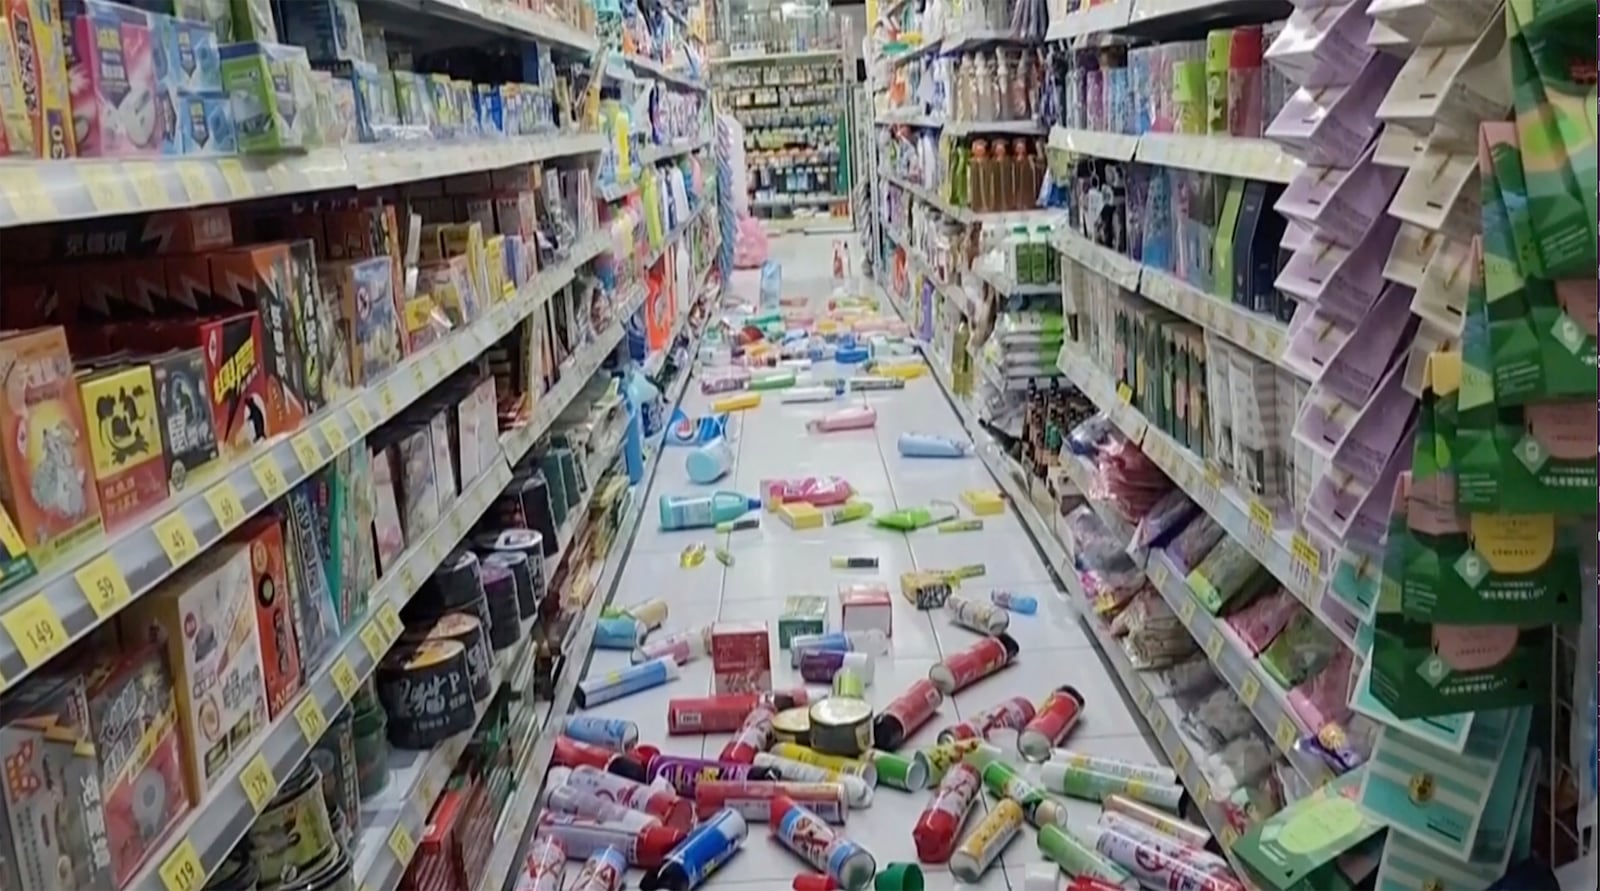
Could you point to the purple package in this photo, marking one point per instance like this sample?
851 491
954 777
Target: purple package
1331 126
1321 47
685 774
1373 348
1322 700
1258 623
1343 282
1341 204
1353 510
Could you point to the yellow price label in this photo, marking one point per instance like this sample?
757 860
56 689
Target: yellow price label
1260 518
1186 608
1249 690
258 782
196 182
1285 734
334 434
408 579
36 630
388 399
1159 576
104 585
1180 759
1143 697
104 185
376 642
1124 394
455 354
1158 721
419 377
181 871
225 505
401 844
306 450
1305 554
344 678
269 477
389 619
313 723
29 201
1214 644
147 187
361 415
1202 791
238 181
176 538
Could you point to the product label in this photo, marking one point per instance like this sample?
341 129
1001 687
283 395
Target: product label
994 832
583 837
808 836
957 791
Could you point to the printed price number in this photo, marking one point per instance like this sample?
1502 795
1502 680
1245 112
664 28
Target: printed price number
313 723
258 782
196 182
388 399
1260 521
344 678
376 642
1180 759
1202 791
36 630
401 844
1307 560
104 185
233 174
176 538
1158 721
269 477
28 199
1186 608
225 505
147 187
389 619
181 871
362 417
307 452
1249 690
1124 394
104 585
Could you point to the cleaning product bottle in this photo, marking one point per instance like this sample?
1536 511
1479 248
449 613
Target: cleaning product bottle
633 439
927 445
960 361
856 417
709 462
704 511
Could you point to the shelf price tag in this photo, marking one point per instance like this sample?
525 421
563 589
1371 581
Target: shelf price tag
1159 576
181 871
1158 721
258 782
105 188
344 678
388 399
1186 608
376 642
1124 394
269 477
29 201
307 452
1180 759
1285 734
334 434
1214 644
1202 791
195 181
1229 837
36 630
1260 521
233 174
1307 560
1249 690
225 505
389 620
313 723
176 538
401 844
147 187
362 416
104 585
1142 697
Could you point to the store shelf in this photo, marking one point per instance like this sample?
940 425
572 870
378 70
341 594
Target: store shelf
980 37
1007 285
927 47
677 233
966 215
89 584
617 191
1109 264
1258 159
920 265
56 191
652 154
897 118
1094 20
808 224
1111 146
1259 334
1016 128
662 72
766 58
504 17
800 201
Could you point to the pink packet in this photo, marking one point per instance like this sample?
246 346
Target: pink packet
1258 623
824 491
1323 699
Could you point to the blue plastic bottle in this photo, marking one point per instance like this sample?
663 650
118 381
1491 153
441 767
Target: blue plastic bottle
633 440
926 445
710 462
704 511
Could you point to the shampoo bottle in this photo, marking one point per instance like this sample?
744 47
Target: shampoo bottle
926 445
856 417
703 511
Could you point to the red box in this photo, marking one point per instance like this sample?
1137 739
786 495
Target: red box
864 606
436 866
741 657
269 574
262 278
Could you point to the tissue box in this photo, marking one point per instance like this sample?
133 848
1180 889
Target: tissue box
330 30
801 615
270 89
741 658
864 606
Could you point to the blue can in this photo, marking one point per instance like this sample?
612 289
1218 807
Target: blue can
612 733
618 633
710 845
601 688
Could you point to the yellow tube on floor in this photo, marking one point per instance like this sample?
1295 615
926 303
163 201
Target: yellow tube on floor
738 402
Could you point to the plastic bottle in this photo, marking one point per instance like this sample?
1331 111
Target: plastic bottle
704 511
928 445
682 646
659 802
940 822
710 462
1025 604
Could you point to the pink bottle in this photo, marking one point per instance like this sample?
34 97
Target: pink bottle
856 417
824 491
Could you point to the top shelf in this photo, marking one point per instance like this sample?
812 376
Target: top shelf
1155 15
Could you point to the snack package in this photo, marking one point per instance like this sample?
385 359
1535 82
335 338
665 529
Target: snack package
1257 623
1303 648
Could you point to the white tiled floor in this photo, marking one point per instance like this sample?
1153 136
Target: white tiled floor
776 562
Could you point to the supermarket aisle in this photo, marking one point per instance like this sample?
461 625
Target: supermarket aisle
776 562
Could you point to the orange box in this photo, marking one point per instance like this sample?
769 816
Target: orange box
269 570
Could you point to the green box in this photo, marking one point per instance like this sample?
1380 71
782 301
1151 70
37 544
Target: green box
272 98
801 615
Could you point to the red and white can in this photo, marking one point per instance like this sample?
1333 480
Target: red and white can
753 798
940 823
1012 714
754 736
1056 717
658 801
909 711
725 713
983 658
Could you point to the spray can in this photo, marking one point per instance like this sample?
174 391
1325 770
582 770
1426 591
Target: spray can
618 633
975 615
683 774
545 868
938 826
819 666
1159 820
1153 865
806 755
1154 773
1026 604
579 803
610 733
572 753
1011 714
584 837
810 838
856 789
945 756
1063 848
593 691
909 711
983 846
849 512
710 845
909 773
726 713
661 803
753 800
984 754
1092 785
605 870
870 641
754 736
976 662
810 394
1056 717
1168 845
1003 781
682 647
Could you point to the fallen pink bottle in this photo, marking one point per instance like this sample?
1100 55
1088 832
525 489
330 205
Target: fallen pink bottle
856 417
818 491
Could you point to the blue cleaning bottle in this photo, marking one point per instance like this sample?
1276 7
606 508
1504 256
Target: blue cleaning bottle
926 445
633 441
704 511
710 462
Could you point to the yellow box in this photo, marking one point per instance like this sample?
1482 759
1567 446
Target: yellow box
738 402
984 502
800 515
42 70
903 372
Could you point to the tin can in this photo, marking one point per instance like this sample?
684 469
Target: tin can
976 662
753 799
856 789
1012 714
905 772
710 845
754 736
936 828
1055 719
662 803
945 756
841 726
605 870
810 838
545 867
976 615
1063 848
725 713
611 733
908 712
841 763
980 849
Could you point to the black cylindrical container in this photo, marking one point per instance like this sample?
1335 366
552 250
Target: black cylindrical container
529 542
500 592
335 756
465 629
522 572
451 587
426 689
237 873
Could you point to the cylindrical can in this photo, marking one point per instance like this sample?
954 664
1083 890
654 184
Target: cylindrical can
652 614
1159 820
936 829
907 772
710 845
604 688
850 684
978 661
1092 785
841 763
567 799
1003 781
840 726
663 804
611 733
973 614
545 868
1153 866
1025 604
1012 714
983 754
571 753
1063 848
753 800
983 846
684 774
819 666
1154 773
945 756
1056 717
754 736
856 789
724 713
792 725
1168 845
870 641
294 831
909 711
1041 877
682 646
583 837
809 837
605 870
618 633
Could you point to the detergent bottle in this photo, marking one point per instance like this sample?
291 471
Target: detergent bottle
709 462
704 511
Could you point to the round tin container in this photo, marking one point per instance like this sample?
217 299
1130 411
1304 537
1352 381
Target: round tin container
237 873
500 595
334 874
335 756
452 586
466 630
841 726
426 689
521 569
293 832
792 725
